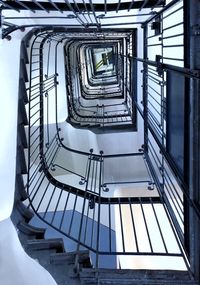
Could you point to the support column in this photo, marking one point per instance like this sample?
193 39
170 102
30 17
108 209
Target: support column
192 61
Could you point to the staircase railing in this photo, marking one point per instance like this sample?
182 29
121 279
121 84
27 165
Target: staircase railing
176 198
81 86
85 206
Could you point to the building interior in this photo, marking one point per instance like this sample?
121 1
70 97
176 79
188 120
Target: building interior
100 142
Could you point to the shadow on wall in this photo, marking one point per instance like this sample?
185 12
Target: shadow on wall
70 245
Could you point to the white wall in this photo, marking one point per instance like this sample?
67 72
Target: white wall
9 79
16 267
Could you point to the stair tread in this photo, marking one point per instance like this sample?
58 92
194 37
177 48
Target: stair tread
119 281
135 277
38 244
128 273
69 257
26 212
73 253
31 230
46 241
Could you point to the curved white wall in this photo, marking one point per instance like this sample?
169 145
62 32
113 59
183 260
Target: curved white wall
16 267
9 79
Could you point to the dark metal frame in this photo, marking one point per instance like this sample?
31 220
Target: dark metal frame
100 115
89 196
160 163
162 159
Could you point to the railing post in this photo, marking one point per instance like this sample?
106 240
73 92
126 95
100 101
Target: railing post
145 98
99 210
41 96
76 264
133 90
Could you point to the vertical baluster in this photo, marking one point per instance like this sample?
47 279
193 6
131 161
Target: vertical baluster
99 211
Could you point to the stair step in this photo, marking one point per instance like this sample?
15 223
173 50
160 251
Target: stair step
22 90
20 188
23 113
21 159
43 256
22 135
23 52
31 230
135 277
42 244
136 282
63 273
128 273
23 70
24 211
69 258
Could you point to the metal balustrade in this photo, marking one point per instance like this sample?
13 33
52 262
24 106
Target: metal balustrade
87 198
84 14
102 87
81 203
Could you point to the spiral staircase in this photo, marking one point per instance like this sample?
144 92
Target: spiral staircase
81 212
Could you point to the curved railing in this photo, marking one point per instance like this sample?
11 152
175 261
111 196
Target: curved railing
104 113
84 208
79 201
